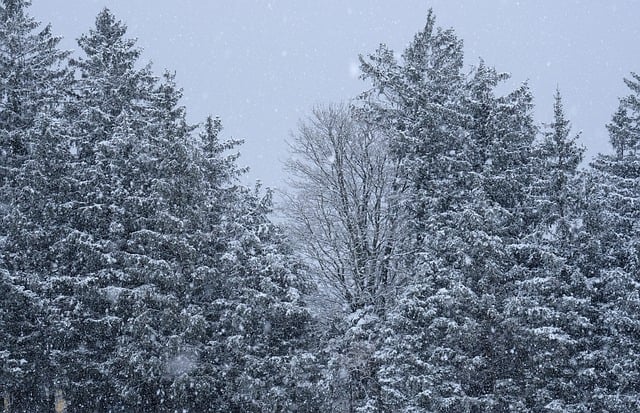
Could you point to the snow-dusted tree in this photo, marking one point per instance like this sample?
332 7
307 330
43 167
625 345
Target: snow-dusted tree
556 198
347 224
33 87
501 134
33 80
262 324
35 224
342 211
610 261
159 283
417 103
466 156
120 265
21 334
548 312
243 319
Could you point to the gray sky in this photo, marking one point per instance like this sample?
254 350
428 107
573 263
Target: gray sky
262 65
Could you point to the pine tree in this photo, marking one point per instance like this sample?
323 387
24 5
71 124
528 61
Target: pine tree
262 318
418 103
248 324
121 264
559 155
156 282
452 344
33 89
610 262
501 136
21 333
33 81
549 313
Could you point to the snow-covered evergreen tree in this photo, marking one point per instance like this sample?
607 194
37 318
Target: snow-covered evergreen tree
33 87
417 102
33 80
610 261
248 323
452 343
143 277
560 155
549 310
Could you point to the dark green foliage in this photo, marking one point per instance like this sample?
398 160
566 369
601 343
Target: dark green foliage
611 262
137 274
509 309
33 86
465 156
476 269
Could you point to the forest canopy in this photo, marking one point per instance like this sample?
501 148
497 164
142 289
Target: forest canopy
439 251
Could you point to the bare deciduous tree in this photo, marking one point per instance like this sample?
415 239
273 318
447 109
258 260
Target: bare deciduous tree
344 208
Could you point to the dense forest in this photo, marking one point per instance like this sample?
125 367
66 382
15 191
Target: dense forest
439 251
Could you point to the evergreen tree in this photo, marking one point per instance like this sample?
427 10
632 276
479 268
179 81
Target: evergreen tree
559 155
154 282
610 261
33 88
33 81
549 311
417 102
466 154
249 323
120 265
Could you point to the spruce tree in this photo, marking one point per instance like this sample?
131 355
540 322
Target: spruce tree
549 311
33 88
249 322
452 342
610 261
33 81
123 260
560 155
181 290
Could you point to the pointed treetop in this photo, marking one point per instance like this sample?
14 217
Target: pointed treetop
107 25
434 50
560 124
106 43
621 137
557 141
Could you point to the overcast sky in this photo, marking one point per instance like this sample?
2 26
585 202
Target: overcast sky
262 65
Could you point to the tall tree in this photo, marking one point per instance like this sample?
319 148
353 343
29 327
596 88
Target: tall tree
176 269
33 88
343 211
549 310
120 265
466 156
347 224
417 102
560 155
610 260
